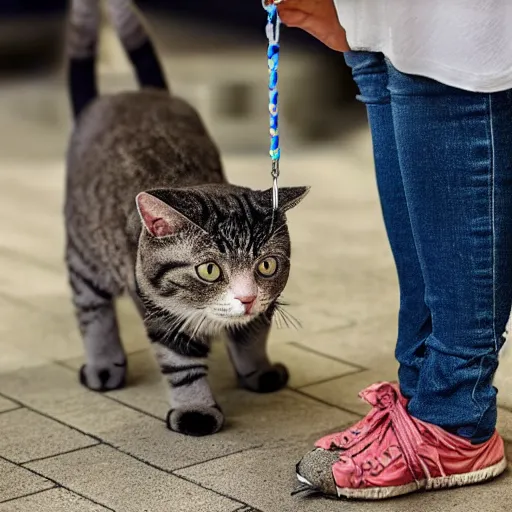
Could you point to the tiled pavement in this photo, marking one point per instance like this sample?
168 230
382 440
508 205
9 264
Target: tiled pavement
63 448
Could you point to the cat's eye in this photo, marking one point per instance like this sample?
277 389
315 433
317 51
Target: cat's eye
267 267
209 272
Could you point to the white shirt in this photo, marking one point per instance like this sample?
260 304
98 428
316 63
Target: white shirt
462 43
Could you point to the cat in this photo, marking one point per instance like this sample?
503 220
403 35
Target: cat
149 212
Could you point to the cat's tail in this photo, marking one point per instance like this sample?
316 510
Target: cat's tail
82 45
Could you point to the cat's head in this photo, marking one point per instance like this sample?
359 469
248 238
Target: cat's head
214 255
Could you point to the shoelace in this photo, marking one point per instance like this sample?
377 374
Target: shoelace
389 412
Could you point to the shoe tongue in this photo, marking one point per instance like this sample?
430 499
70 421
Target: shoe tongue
383 395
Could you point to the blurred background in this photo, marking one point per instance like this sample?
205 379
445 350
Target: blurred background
214 53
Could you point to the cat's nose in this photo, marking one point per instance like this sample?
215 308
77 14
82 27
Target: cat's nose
247 301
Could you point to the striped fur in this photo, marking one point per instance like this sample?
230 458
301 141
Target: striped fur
146 204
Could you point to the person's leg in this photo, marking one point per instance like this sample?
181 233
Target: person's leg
455 153
414 326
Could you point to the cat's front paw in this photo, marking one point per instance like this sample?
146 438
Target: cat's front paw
266 381
196 420
104 378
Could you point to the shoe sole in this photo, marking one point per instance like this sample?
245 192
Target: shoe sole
441 482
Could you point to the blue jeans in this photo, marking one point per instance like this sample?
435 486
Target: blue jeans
443 159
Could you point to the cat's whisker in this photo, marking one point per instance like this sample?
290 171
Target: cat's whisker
281 319
152 314
278 320
288 319
282 302
177 327
198 326
187 321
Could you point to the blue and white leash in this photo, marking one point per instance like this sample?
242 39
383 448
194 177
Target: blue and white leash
272 31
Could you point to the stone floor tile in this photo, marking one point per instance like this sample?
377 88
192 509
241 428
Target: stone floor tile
7 405
251 419
55 391
503 379
265 476
24 278
124 484
367 343
344 391
310 319
14 318
29 332
16 481
22 350
53 500
504 425
13 358
27 435
307 367
32 246
146 390
11 310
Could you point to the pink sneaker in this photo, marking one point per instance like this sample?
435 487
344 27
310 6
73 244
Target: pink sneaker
390 453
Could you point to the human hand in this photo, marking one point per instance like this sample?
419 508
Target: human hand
318 18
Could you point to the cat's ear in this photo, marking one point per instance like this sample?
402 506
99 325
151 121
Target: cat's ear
158 217
289 197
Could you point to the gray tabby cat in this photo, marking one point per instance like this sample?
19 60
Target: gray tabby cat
149 212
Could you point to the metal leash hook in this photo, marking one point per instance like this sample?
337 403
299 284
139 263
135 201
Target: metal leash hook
272 32
275 185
